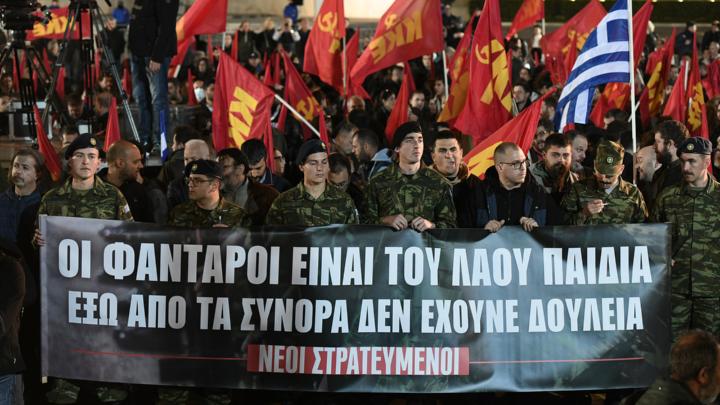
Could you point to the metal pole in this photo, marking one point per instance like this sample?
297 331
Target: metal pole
297 114
632 76
543 24
344 67
445 73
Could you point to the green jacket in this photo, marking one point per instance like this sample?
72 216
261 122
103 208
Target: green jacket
297 207
667 392
102 201
625 204
189 215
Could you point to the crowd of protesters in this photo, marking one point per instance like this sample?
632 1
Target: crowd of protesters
586 176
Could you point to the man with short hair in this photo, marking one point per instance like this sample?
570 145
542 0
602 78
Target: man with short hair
175 163
510 196
553 172
177 192
255 198
313 202
25 171
407 195
447 154
256 153
365 147
605 198
521 95
694 373
124 163
693 209
340 176
668 135
417 100
342 142
579 151
207 208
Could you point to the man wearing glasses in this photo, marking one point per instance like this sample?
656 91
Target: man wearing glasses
206 208
407 195
605 198
511 197
313 202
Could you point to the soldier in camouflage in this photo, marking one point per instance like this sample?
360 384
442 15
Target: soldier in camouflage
693 209
83 195
407 195
605 198
314 202
206 208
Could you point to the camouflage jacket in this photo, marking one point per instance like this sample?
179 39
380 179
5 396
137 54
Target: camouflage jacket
695 220
625 204
102 201
189 215
297 207
544 179
425 194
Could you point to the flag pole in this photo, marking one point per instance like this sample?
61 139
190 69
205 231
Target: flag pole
631 46
543 23
297 114
344 66
445 73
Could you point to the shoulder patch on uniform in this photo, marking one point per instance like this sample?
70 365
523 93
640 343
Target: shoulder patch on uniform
126 209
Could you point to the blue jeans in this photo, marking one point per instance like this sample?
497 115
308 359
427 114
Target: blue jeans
10 389
150 91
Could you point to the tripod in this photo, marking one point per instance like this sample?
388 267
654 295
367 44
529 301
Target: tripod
76 10
35 65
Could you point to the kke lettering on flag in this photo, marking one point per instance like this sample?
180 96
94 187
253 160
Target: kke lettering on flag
556 44
605 58
489 100
55 29
520 130
407 30
323 56
241 108
529 12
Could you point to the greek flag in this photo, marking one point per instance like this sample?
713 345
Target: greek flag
604 58
164 148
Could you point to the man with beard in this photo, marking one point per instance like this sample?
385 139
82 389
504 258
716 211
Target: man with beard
23 192
668 135
579 152
124 163
645 165
605 198
313 202
553 172
694 373
253 197
407 195
467 189
693 209
257 154
366 148
511 197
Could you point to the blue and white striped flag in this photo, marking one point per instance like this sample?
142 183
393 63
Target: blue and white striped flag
164 149
604 58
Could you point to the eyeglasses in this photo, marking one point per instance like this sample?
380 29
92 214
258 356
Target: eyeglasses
195 181
516 165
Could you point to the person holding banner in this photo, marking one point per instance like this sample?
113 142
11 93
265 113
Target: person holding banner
313 202
406 194
206 208
693 209
605 198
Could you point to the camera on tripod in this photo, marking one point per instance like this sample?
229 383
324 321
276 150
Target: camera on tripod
20 15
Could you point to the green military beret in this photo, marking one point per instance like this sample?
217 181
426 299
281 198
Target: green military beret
695 144
308 148
609 157
208 168
81 142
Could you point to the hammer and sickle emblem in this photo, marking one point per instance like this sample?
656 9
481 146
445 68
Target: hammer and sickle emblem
305 108
390 20
483 55
328 22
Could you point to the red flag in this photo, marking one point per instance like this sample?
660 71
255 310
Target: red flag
191 89
60 84
617 95
52 162
46 60
520 130
210 54
408 29
299 96
17 75
272 70
203 17
658 68
269 147
677 102
322 128
178 59
556 44
112 130
323 54
234 48
528 13
241 108
459 72
399 113
55 29
127 79
98 65
570 57
712 80
489 97
351 56
697 111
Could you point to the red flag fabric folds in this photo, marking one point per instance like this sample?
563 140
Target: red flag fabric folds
52 161
528 13
112 130
323 53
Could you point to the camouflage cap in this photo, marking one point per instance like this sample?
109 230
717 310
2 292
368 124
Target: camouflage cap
205 167
308 148
81 142
609 157
695 144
